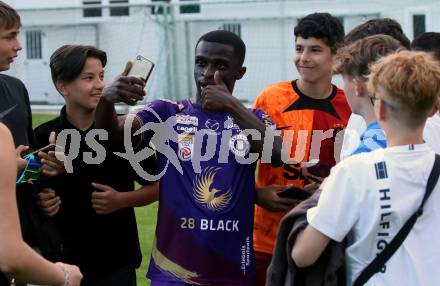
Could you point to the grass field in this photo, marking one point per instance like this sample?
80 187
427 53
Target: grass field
146 220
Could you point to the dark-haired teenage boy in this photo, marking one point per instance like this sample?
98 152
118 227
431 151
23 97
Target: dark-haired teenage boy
430 42
92 206
312 111
205 219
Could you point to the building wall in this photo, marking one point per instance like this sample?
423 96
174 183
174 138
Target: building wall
266 27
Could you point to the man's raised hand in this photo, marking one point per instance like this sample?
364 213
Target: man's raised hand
124 88
216 97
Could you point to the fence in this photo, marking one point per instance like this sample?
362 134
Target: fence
166 33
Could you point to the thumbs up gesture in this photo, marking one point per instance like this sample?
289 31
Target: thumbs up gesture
216 97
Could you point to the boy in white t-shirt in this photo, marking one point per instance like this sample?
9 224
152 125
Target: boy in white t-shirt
352 63
372 194
379 26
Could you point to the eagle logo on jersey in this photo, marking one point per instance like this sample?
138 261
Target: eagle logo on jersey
209 197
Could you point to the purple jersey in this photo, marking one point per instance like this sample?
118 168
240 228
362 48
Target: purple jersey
205 217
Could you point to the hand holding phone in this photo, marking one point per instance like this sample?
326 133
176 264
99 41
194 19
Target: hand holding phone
46 149
142 68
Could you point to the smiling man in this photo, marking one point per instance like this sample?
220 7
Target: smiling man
302 108
205 217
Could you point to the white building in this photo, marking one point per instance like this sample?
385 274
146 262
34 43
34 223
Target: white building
166 33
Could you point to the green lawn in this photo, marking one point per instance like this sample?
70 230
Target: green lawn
146 219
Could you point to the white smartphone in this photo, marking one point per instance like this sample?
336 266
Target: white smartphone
142 68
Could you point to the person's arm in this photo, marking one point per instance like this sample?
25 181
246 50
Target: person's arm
126 89
309 245
106 199
333 218
17 259
219 98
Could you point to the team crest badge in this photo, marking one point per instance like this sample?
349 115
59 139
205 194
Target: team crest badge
239 145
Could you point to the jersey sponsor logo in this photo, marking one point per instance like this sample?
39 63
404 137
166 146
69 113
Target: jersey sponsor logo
212 124
187 119
239 145
208 196
187 129
186 146
230 124
246 251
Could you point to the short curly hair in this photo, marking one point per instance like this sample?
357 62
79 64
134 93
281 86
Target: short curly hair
412 81
322 26
226 38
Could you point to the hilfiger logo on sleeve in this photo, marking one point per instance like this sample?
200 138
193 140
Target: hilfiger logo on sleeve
187 119
186 146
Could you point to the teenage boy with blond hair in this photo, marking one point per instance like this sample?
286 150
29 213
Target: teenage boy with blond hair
352 62
371 195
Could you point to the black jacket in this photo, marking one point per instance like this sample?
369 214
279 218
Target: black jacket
328 270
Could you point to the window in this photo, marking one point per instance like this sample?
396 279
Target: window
159 9
189 9
419 24
119 11
92 12
232 27
33 45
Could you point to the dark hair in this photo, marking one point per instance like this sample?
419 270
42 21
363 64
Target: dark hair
226 38
384 26
322 26
9 18
427 42
67 62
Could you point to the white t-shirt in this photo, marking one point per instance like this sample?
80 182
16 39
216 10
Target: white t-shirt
373 194
431 133
355 127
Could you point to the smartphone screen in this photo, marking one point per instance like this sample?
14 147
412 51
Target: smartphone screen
141 67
